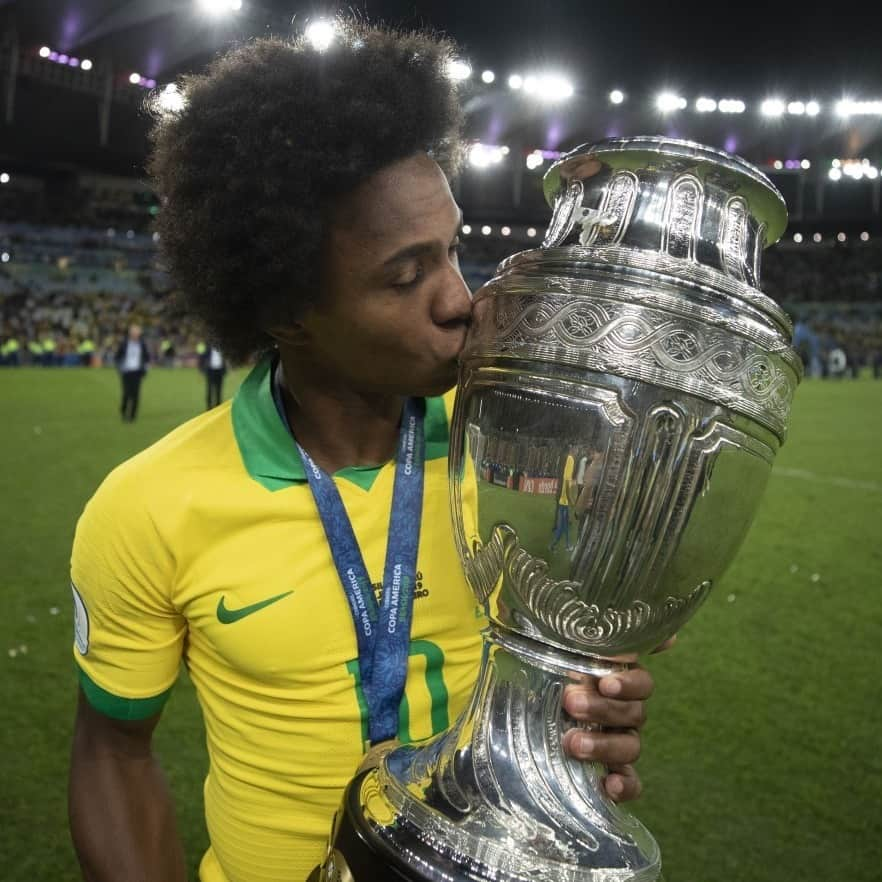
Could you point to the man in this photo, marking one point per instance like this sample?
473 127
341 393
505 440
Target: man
308 217
213 364
565 493
131 360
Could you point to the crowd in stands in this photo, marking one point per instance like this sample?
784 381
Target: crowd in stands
68 294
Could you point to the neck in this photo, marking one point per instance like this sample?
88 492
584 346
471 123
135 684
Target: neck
338 425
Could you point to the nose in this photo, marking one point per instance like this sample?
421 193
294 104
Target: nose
452 304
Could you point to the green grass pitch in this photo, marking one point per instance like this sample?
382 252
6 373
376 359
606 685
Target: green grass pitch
763 753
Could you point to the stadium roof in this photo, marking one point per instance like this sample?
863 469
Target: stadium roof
708 50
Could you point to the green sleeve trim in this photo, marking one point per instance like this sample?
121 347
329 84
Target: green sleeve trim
121 708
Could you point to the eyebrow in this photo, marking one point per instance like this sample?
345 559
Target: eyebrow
418 249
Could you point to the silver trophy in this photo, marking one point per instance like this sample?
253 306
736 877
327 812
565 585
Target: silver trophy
623 392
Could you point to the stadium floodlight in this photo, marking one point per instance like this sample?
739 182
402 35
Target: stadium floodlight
171 99
667 102
515 81
772 107
835 174
4 178
135 79
506 231
535 160
871 172
4 257
486 230
617 96
482 156
73 61
45 52
531 232
705 105
731 105
458 70
797 237
320 34
548 87
778 165
812 108
806 164
865 236
848 107
63 58
817 237
841 237
796 108
466 229
219 7
86 64
488 77
836 163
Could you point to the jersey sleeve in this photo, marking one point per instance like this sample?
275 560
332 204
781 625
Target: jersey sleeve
128 636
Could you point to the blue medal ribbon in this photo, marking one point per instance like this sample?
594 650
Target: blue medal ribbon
383 634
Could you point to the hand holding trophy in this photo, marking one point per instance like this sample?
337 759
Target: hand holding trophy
635 351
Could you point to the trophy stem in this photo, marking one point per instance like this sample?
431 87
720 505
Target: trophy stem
495 797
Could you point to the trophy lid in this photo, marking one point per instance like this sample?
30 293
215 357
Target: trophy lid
765 202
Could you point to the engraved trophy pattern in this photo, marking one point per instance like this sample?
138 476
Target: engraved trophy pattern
623 393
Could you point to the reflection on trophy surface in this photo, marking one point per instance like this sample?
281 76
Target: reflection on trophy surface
623 393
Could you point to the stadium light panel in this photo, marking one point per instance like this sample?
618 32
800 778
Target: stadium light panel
817 238
841 237
705 105
812 108
320 34
548 87
617 96
482 156
488 77
4 178
506 231
531 232
667 102
45 52
466 229
778 165
458 70
486 230
835 174
171 99
135 79
86 64
535 160
515 81
772 107
4 257
865 236
806 164
796 108
731 105
797 237
219 7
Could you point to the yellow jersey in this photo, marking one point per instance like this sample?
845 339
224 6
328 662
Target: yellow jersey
207 547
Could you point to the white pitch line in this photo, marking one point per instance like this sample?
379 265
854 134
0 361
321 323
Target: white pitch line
803 474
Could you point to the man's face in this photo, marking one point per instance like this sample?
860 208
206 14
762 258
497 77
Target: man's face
135 332
395 308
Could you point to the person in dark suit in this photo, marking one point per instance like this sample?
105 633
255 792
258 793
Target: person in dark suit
131 360
213 364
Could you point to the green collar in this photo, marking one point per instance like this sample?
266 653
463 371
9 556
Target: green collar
269 453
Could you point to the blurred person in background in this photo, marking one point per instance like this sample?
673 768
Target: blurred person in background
213 364
132 359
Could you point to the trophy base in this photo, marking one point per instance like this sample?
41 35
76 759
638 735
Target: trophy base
356 854
494 799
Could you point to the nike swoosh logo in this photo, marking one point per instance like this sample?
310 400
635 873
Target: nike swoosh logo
227 616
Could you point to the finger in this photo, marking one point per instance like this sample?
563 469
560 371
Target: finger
635 684
623 784
666 645
610 748
608 712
